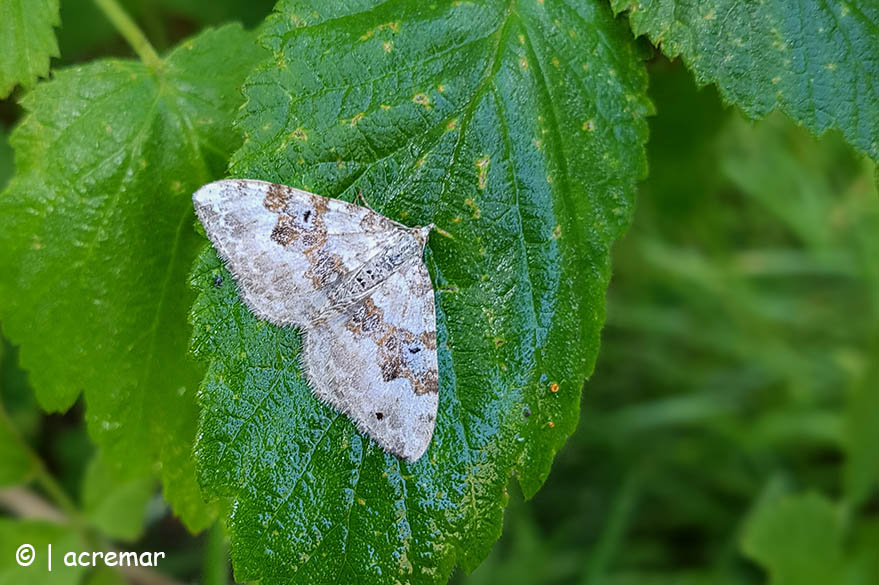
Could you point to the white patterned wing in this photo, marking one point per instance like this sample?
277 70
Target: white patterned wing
285 246
376 361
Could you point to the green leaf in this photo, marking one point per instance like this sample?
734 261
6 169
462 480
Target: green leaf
519 131
798 538
27 41
113 506
39 534
814 60
96 241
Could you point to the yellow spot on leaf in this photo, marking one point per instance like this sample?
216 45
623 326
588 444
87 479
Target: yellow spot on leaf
422 99
553 387
588 126
299 134
472 205
482 168
356 119
453 123
550 424
557 232
555 61
523 63
385 107
387 46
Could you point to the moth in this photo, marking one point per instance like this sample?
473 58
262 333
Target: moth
355 284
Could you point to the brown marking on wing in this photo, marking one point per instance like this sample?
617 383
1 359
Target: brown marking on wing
324 268
391 363
428 383
396 350
321 204
371 222
366 318
284 232
297 222
314 239
276 199
428 338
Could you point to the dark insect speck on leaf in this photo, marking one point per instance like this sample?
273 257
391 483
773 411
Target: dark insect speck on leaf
218 281
526 412
379 416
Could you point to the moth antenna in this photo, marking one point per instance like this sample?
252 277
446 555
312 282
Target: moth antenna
363 202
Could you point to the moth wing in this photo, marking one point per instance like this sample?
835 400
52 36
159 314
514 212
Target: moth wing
285 246
376 361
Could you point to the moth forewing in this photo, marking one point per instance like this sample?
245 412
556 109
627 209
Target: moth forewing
355 282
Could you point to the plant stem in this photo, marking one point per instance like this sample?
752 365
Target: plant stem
40 473
131 32
216 565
